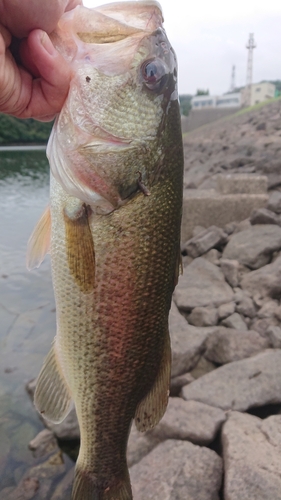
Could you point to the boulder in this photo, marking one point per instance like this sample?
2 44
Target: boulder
274 202
226 310
226 345
189 420
265 281
187 342
230 269
203 316
235 321
264 216
254 247
177 470
252 456
202 285
240 385
204 241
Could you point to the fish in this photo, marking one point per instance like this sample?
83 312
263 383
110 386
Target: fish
113 232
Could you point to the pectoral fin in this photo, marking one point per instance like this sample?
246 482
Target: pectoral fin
80 247
52 397
39 242
152 407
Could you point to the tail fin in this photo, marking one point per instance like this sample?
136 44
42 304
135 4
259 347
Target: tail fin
86 487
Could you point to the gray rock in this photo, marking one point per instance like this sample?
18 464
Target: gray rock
203 316
226 310
26 490
189 420
261 325
235 321
254 247
177 470
203 366
264 216
64 488
178 382
268 309
204 241
230 269
202 285
242 183
187 342
227 345
140 444
243 225
240 385
274 202
273 334
265 281
245 305
212 256
278 313
271 428
252 461
43 444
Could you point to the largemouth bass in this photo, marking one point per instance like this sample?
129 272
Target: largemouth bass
113 232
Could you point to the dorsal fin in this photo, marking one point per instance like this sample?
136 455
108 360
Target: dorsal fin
39 242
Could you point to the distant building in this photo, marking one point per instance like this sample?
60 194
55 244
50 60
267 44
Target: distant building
224 101
260 92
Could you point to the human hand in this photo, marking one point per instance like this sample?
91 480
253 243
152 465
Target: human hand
34 77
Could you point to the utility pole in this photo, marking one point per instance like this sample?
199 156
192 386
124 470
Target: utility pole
251 46
232 83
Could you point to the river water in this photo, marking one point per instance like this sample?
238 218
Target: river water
27 308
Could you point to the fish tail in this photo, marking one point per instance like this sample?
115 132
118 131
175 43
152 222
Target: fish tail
87 487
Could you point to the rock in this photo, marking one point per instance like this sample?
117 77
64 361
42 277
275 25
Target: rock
189 420
197 230
4 451
240 385
252 461
242 226
235 321
177 470
203 366
202 285
261 325
64 488
245 305
26 490
203 316
230 269
273 334
254 247
274 202
226 310
212 256
227 345
178 382
278 313
268 309
204 241
43 444
140 444
187 342
264 216
265 281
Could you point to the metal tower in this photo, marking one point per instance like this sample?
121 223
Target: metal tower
251 46
232 83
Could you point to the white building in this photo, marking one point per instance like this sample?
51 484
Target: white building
224 101
260 92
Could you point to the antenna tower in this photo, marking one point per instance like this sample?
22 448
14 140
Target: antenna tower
232 83
251 46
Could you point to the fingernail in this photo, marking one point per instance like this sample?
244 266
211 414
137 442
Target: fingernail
47 44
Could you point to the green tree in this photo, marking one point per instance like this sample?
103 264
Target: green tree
202 92
185 103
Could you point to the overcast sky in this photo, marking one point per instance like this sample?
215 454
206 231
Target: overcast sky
209 37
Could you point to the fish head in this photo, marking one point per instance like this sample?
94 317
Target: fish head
109 137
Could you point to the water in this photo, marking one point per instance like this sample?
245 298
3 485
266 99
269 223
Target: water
27 309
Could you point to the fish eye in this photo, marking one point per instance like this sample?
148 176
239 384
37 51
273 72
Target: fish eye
154 73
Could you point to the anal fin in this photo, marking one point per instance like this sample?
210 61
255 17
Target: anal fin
52 397
39 242
152 407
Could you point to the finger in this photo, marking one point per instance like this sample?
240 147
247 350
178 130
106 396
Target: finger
48 92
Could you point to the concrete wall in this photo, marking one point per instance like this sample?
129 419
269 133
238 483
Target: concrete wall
197 118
